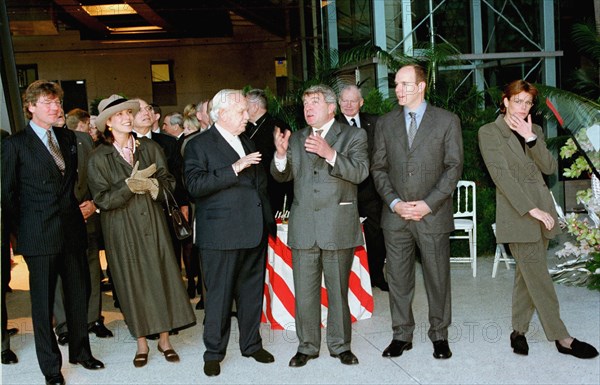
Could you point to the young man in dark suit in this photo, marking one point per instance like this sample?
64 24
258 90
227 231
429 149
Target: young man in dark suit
77 120
39 173
369 201
233 213
416 164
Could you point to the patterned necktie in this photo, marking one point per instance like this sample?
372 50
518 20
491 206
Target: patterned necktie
55 152
412 129
353 122
319 132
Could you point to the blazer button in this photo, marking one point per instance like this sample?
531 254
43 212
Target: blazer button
259 204
315 172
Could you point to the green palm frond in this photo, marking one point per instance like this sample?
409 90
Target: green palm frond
587 40
585 83
576 111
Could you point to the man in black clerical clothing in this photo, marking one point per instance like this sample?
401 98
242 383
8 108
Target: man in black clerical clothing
260 128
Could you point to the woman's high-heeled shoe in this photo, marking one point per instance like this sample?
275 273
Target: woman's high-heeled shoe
170 354
140 359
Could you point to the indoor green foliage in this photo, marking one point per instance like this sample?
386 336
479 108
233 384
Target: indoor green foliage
375 104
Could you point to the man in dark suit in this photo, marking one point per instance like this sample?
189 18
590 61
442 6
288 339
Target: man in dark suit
326 161
78 121
233 212
369 201
39 172
260 128
8 356
417 161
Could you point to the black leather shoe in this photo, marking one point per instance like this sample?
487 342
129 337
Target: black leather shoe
9 357
100 330
346 358
300 359
12 331
396 348
519 343
578 349
212 368
89 364
200 304
55 380
63 339
441 349
262 356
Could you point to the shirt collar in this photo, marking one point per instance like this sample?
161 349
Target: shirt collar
40 131
229 137
355 117
325 128
147 135
420 111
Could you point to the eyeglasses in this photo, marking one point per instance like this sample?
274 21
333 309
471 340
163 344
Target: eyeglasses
518 102
48 103
147 108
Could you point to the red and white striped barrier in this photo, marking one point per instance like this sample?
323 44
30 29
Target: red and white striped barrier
278 304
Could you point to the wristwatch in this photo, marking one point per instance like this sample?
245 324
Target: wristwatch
531 138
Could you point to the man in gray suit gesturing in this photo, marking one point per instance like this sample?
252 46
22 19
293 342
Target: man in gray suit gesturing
417 161
326 163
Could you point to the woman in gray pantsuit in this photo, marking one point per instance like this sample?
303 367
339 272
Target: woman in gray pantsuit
515 154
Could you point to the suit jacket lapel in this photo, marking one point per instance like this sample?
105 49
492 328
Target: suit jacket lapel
65 149
513 143
399 131
423 131
39 150
225 148
334 132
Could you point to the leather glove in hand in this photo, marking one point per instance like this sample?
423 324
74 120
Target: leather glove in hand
145 173
143 185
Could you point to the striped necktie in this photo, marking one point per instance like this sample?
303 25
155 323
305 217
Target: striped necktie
55 152
412 129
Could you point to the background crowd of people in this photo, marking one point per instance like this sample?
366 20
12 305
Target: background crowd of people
73 184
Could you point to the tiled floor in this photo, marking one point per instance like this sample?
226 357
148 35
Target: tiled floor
478 339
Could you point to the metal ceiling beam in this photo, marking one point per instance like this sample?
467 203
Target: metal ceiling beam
74 8
148 14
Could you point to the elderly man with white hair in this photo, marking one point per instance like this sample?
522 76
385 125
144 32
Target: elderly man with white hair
223 176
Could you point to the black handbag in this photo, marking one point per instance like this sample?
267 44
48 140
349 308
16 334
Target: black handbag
181 227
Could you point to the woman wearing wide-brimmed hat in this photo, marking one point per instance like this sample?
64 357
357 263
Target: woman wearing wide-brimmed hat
127 177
